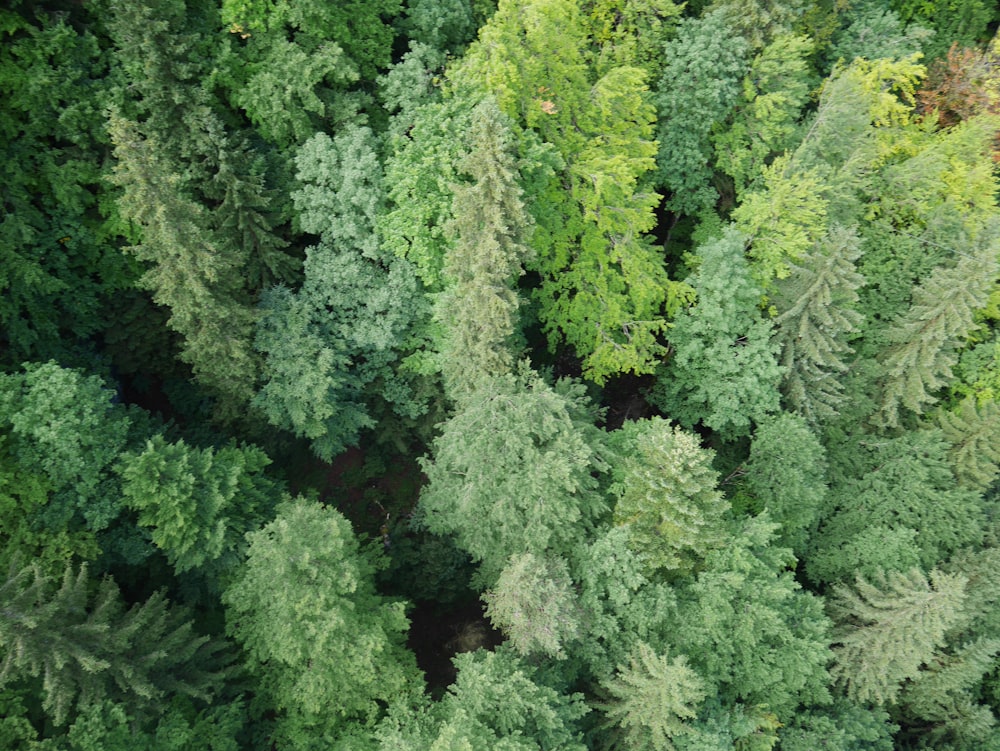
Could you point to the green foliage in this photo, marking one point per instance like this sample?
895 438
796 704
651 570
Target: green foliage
816 315
197 503
889 627
322 642
924 339
876 31
666 496
86 647
844 726
961 22
974 434
631 34
478 311
786 474
903 483
515 471
748 628
651 698
699 87
64 426
533 602
723 370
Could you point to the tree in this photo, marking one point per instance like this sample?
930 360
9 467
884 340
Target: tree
325 646
889 627
666 496
924 339
722 370
816 315
786 474
197 503
479 309
515 471
973 430
700 85
874 31
651 697
86 647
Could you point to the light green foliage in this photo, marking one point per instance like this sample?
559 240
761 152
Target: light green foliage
441 24
495 703
896 484
924 339
844 726
56 267
534 603
478 311
889 627
515 471
190 271
666 496
323 643
603 285
944 694
197 503
748 628
875 31
816 315
974 434
86 646
723 370
633 33
765 122
759 22
700 85
64 426
327 343
786 474
651 698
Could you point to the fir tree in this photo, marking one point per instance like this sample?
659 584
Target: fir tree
86 646
974 434
816 315
889 628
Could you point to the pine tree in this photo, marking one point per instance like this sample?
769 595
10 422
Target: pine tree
650 699
490 226
666 496
889 628
816 315
924 339
86 647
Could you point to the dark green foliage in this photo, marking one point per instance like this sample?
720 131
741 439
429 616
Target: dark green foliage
700 85
974 434
86 646
874 31
786 474
722 371
843 726
515 471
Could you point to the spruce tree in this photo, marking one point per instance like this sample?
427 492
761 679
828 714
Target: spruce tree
816 315
86 646
889 627
973 430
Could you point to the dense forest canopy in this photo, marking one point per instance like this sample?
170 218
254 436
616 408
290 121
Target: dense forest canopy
462 375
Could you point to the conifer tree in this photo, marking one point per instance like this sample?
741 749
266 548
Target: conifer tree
973 430
889 627
786 474
325 646
816 314
515 471
650 699
722 370
924 339
86 646
666 496
490 226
